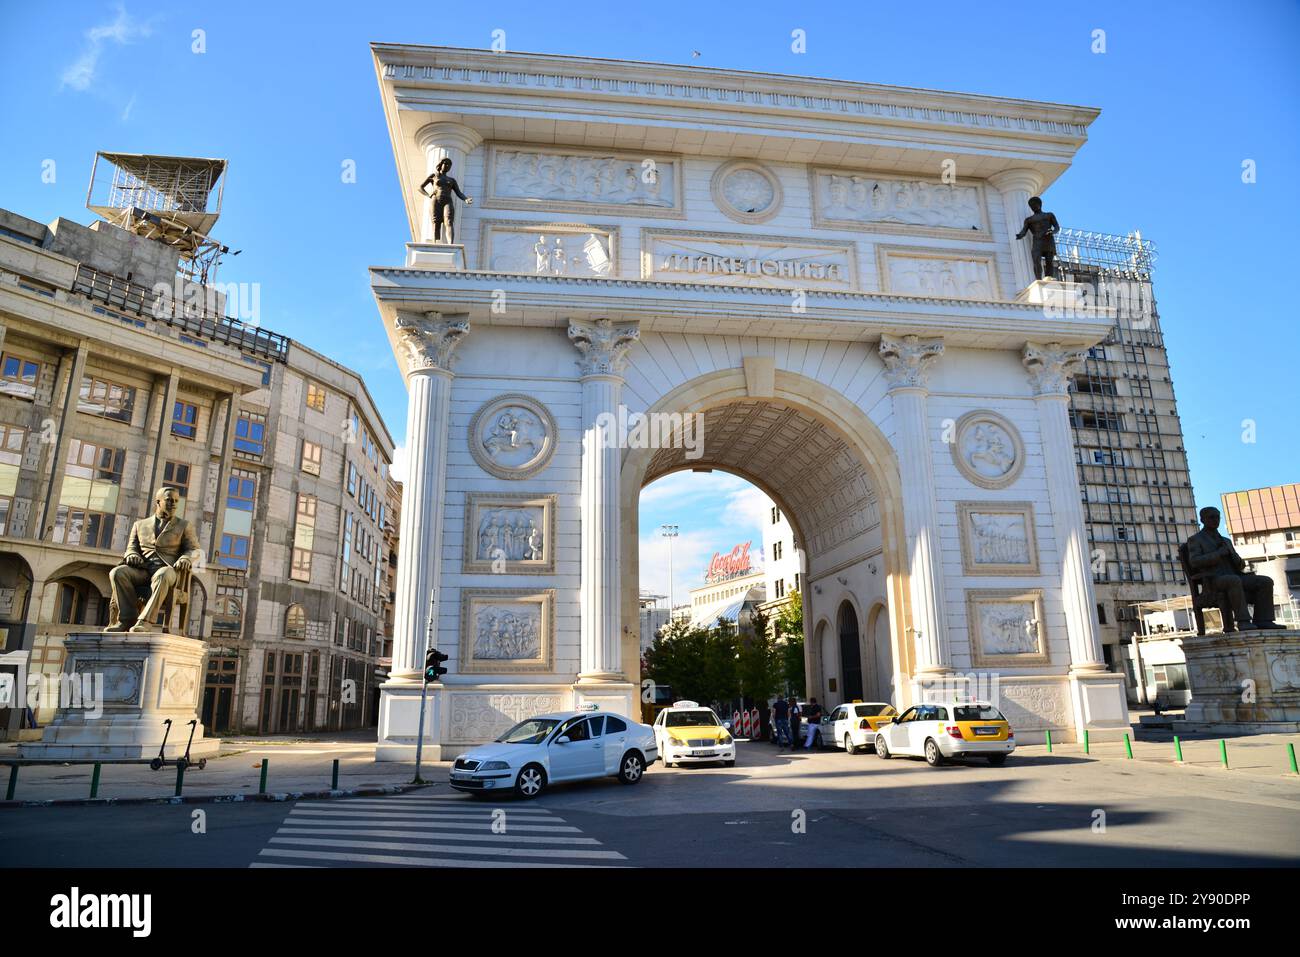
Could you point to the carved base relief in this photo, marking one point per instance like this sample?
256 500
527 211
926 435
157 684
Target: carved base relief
474 717
509 534
1006 627
997 538
946 275
507 630
987 449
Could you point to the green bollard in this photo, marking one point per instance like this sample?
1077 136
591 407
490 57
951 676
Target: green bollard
94 781
13 782
1290 753
261 787
1128 746
1086 746
334 780
180 778
1049 740
1223 752
1178 750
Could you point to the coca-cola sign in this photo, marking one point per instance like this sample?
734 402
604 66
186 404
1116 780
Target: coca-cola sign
732 565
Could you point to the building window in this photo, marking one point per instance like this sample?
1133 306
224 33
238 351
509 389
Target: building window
92 481
311 457
250 435
185 420
776 515
780 588
1107 457
316 396
228 610
776 551
242 489
1101 613
18 375
352 480
234 551
12 440
108 400
304 534
345 553
295 622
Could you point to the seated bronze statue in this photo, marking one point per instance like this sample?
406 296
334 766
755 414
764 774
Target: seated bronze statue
1218 577
159 556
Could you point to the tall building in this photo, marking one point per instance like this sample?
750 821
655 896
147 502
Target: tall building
109 390
782 563
1265 528
1132 462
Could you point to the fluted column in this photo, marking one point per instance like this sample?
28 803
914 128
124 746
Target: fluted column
907 360
1015 187
445 139
604 349
429 341
1049 367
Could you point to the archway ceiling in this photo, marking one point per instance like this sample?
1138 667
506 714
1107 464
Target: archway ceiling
823 485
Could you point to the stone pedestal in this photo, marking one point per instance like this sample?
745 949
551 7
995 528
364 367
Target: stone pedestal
399 721
1246 681
441 257
1060 299
128 685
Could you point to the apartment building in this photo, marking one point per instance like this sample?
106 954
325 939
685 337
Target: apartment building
1265 527
279 453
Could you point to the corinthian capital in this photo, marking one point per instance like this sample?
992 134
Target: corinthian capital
430 339
908 360
603 345
1050 366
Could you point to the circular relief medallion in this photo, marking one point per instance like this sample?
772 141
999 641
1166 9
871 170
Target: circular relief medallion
988 450
513 436
746 191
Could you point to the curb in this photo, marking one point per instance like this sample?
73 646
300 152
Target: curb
223 798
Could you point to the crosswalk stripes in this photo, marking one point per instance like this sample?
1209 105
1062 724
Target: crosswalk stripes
423 830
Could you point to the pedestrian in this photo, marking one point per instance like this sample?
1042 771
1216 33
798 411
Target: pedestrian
781 723
813 718
795 717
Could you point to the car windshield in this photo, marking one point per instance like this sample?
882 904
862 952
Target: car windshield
977 712
872 710
691 719
532 731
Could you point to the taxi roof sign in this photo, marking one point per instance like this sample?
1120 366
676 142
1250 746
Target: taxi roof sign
686 704
589 706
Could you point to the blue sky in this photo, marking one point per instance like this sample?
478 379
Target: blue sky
287 93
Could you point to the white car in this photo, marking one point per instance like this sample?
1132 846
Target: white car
937 732
550 748
690 734
853 726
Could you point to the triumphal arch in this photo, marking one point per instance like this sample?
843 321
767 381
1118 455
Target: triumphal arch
813 284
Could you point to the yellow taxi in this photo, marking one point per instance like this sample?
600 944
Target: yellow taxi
688 733
941 730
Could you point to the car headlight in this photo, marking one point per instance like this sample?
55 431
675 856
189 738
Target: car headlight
725 739
494 766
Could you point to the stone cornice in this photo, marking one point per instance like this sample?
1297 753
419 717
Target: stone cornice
736 89
908 359
603 345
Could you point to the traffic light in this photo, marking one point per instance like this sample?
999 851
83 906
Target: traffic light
433 669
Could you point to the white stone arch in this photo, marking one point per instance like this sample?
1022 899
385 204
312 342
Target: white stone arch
839 415
876 638
815 671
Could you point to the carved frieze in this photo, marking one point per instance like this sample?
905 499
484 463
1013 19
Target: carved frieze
997 538
1006 627
987 449
509 534
506 630
847 199
1034 705
550 249
556 178
944 275
475 717
513 436
731 259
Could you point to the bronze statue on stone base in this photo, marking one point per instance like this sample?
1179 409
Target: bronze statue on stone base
159 557
1218 578
1043 227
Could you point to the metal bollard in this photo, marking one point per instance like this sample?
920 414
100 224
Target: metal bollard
1087 749
94 781
1290 753
180 777
1128 746
261 787
1178 750
1223 752
13 782
1049 740
334 780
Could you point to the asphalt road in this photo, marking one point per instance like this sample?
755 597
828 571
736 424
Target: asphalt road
773 809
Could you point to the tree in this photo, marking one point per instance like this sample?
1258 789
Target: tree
699 664
759 661
789 626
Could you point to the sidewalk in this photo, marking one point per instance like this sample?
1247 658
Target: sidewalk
1255 754
296 766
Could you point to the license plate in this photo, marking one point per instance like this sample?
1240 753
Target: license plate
701 754
986 730
460 775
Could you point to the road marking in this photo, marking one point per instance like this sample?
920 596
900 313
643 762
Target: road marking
429 831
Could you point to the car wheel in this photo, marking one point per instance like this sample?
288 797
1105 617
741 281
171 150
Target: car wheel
848 745
882 749
728 764
631 768
531 781
933 756
997 759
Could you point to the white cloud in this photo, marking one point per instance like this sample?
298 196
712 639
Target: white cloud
398 469
81 73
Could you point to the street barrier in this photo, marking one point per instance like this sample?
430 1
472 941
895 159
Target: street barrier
755 723
1290 753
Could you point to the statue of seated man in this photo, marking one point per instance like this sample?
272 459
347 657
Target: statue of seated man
161 547
1216 563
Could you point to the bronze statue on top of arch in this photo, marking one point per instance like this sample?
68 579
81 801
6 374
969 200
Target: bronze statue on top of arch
154 576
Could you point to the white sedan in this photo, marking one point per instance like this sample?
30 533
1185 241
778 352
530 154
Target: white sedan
940 731
853 727
550 748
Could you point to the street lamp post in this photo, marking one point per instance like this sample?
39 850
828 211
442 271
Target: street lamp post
669 532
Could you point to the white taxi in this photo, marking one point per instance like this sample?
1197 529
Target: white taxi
939 731
550 748
690 734
853 726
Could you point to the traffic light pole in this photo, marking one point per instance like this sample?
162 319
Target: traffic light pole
424 696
